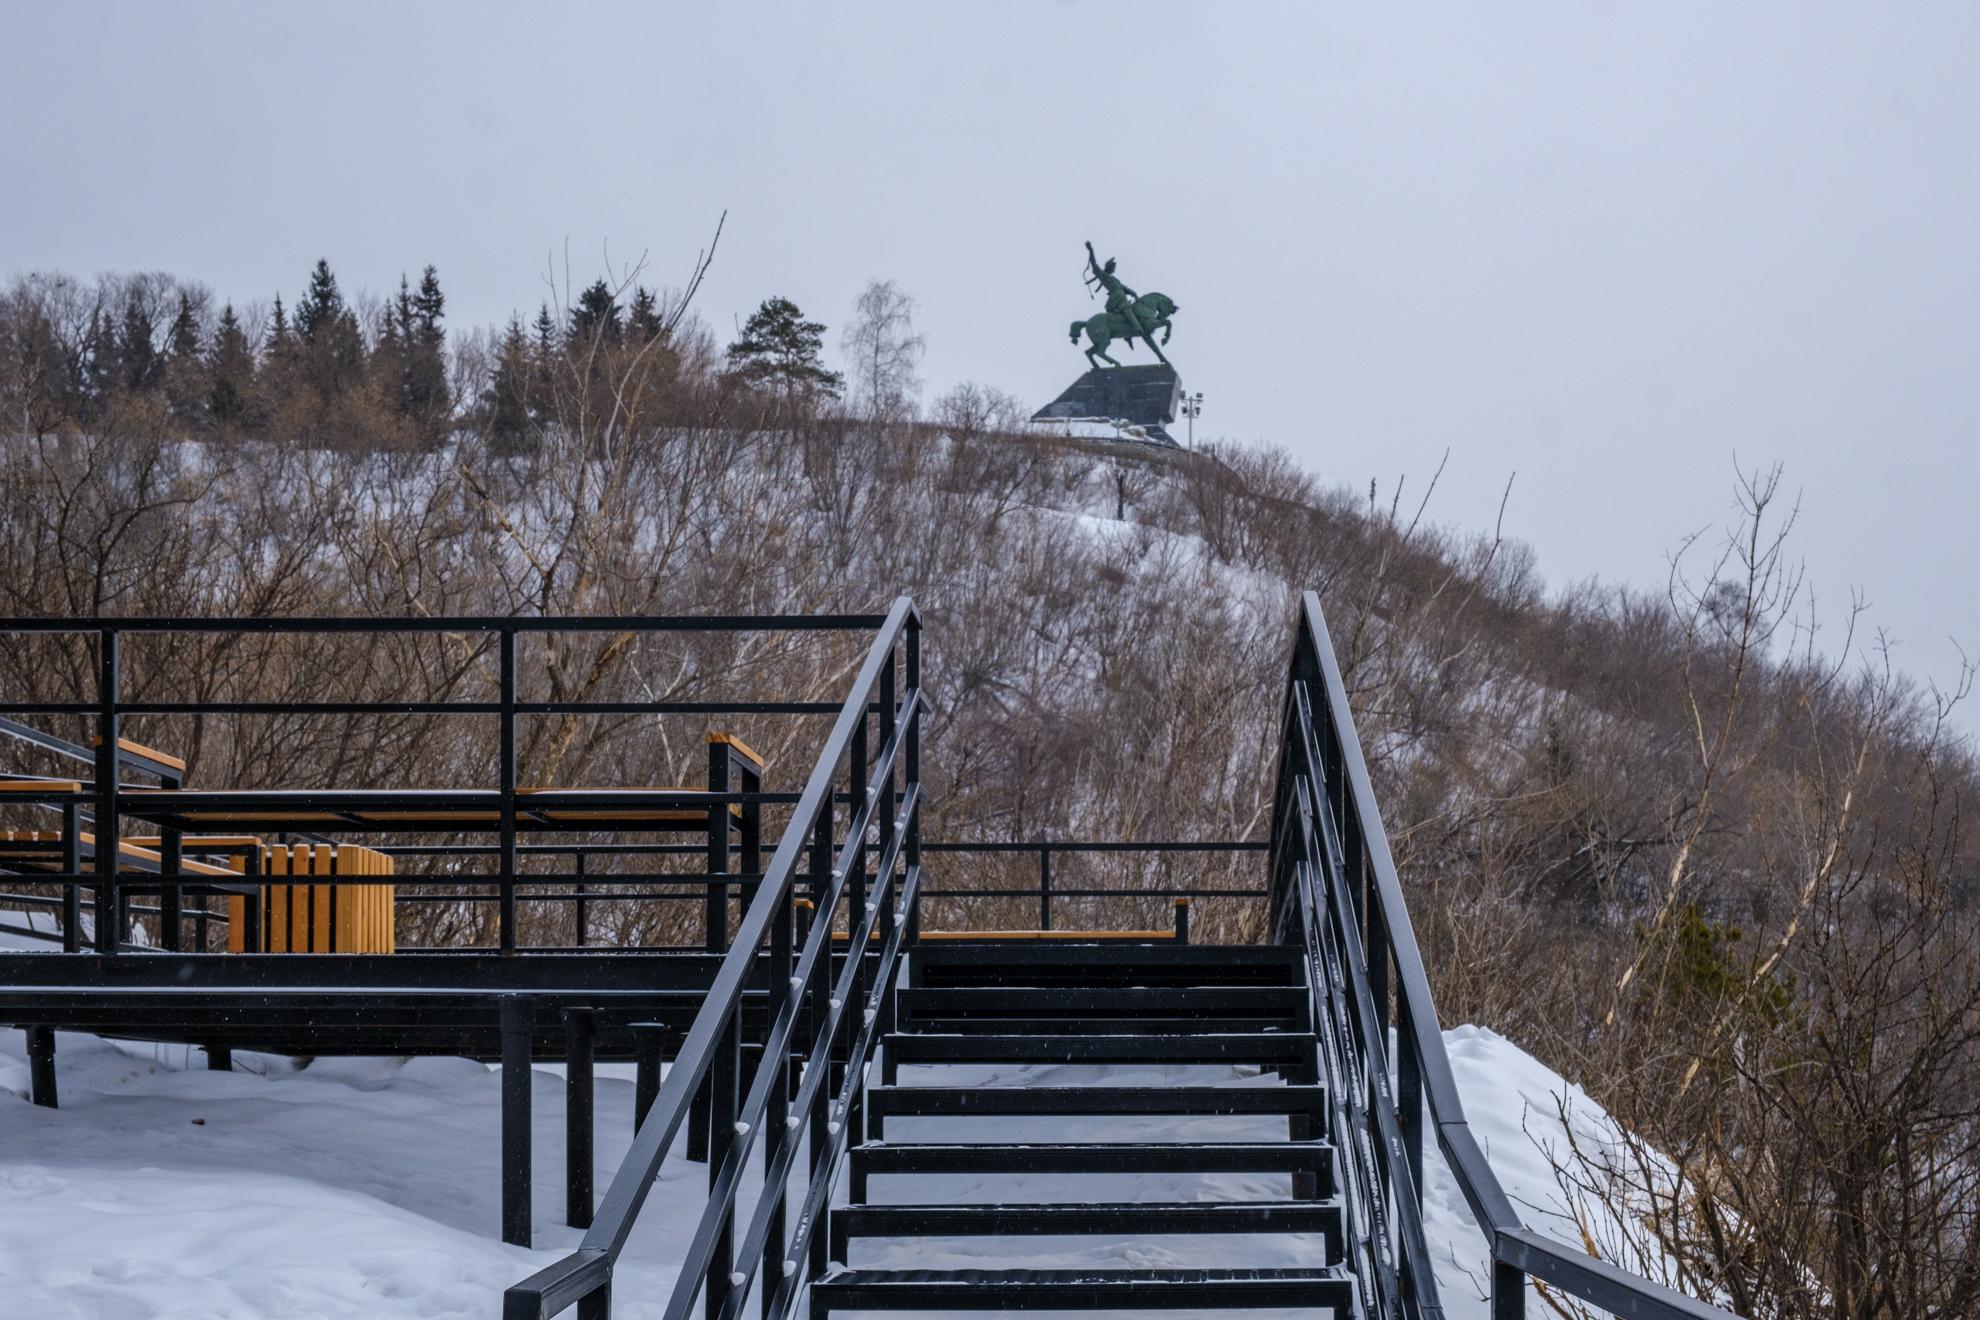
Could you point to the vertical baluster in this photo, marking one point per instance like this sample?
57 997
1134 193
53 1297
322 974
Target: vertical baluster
776 1111
507 768
723 1077
109 902
716 907
72 868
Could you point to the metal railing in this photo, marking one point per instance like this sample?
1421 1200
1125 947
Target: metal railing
827 1009
1335 893
1050 890
104 796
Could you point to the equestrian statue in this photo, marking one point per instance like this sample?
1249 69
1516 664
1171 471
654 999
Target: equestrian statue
1129 315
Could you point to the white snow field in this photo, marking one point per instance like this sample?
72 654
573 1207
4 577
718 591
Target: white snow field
369 1187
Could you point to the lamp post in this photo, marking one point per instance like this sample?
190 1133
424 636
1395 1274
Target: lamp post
1192 407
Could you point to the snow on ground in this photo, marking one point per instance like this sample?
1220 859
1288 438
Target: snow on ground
369 1186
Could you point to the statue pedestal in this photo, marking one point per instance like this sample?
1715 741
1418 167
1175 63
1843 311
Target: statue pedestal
1142 398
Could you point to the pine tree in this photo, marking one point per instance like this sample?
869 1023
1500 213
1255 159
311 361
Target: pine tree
98 376
779 349
186 384
138 361
231 367
546 335
321 305
183 341
643 321
279 342
424 394
508 403
596 315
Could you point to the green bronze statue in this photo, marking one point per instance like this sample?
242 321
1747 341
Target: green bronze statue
1129 315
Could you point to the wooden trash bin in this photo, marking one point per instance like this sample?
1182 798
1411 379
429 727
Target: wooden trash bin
319 918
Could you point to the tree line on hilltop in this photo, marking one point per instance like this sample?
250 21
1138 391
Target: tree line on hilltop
154 352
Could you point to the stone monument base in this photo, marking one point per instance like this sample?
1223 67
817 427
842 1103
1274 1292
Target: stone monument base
1140 399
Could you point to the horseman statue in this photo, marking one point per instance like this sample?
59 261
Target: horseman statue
1129 315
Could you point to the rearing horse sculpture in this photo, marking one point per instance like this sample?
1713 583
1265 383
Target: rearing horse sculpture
1129 315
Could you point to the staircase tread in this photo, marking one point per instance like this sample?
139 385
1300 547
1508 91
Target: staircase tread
840 1276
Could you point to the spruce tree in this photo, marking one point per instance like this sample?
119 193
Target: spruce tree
425 395
643 321
778 349
186 385
546 335
508 403
321 305
139 365
231 368
596 315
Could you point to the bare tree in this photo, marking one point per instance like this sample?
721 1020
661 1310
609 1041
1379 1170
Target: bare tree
884 350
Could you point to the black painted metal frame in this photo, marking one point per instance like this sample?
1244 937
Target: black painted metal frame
106 799
1336 894
808 1082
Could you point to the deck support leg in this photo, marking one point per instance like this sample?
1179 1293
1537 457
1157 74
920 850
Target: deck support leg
647 1040
1508 1292
219 1058
517 1014
41 1065
578 1126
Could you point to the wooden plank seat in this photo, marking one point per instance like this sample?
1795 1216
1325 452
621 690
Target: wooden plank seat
44 853
419 810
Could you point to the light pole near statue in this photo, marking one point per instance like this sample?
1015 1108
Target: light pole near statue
1192 405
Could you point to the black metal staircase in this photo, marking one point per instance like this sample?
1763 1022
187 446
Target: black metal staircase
1080 1004
863 1076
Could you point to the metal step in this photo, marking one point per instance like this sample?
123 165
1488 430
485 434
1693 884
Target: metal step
883 1101
1087 1001
1101 1026
1078 1290
1311 1157
1261 1047
1049 1220
1045 963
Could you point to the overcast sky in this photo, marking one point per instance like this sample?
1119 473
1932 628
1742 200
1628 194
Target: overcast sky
1614 248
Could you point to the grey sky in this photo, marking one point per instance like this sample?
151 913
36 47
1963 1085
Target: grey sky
1607 246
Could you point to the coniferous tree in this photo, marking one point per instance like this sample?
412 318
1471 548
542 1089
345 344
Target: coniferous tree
321 304
508 405
186 384
424 394
231 368
280 342
139 365
643 320
778 349
596 315
546 333
98 375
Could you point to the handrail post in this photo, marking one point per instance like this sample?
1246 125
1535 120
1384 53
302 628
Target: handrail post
582 917
912 779
715 936
506 677
109 902
1044 886
72 868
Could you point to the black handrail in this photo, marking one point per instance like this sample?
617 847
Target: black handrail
102 795
885 793
1335 884
1047 890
